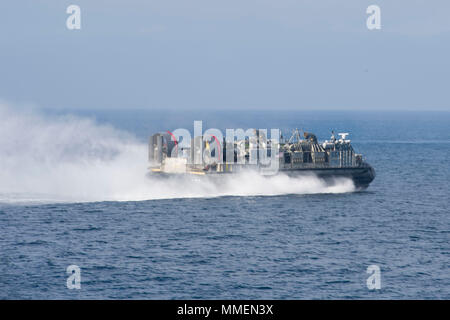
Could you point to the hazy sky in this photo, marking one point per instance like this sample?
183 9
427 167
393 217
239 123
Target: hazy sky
218 54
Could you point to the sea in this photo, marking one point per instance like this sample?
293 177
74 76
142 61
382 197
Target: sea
74 191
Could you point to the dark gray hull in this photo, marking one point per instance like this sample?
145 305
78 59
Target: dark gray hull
361 176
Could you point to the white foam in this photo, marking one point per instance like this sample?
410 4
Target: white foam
74 159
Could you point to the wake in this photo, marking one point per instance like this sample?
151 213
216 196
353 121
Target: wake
48 159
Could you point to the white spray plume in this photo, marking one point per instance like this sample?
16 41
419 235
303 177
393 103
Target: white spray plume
74 159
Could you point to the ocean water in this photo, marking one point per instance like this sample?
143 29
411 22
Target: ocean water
73 191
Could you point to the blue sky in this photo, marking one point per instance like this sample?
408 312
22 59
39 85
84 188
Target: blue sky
211 55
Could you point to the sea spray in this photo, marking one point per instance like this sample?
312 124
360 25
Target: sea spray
69 158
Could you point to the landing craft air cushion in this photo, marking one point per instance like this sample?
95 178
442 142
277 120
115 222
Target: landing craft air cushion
207 156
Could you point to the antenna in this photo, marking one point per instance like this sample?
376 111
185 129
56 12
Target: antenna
295 138
333 138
